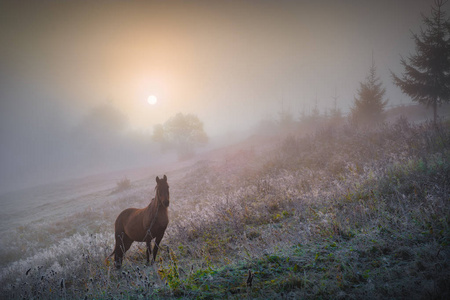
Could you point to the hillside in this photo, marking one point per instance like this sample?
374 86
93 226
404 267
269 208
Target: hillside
339 214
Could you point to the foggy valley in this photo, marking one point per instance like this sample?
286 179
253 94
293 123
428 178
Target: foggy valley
306 145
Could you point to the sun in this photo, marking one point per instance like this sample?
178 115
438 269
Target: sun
152 100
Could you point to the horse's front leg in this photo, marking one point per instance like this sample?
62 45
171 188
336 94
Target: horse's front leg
156 247
149 250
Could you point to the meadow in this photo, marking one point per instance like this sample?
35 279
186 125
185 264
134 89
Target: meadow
341 213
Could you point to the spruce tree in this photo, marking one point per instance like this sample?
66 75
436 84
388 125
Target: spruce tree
426 78
369 105
335 112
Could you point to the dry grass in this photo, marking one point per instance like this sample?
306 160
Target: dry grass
339 214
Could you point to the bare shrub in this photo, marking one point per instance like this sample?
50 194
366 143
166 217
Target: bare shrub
122 185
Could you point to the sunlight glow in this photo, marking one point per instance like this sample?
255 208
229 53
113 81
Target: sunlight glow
152 99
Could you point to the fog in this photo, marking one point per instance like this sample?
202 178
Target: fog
75 75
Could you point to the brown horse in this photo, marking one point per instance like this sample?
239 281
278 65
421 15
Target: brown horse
143 225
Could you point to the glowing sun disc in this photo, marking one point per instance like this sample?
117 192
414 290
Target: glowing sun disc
152 100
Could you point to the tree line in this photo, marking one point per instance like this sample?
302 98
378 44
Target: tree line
426 79
426 75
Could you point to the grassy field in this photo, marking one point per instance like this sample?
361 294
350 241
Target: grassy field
343 213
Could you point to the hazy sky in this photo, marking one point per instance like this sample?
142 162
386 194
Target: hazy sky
230 62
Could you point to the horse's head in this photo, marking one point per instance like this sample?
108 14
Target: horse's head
162 191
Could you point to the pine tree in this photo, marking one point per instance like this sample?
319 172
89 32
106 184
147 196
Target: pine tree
335 112
286 119
427 73
369 105
315 112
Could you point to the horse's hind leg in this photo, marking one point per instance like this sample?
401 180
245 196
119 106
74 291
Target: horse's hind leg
123 243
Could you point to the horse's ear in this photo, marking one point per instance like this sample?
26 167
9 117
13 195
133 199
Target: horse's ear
157 179
165 178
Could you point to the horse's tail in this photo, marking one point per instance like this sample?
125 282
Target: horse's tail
106 259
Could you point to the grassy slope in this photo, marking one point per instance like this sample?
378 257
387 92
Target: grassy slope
337 215
342 214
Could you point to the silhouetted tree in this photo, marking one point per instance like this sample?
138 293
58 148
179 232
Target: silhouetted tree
99 138
303 115
182 132
103 121
369 105
286 119
335 112
427 73
335 115
315 113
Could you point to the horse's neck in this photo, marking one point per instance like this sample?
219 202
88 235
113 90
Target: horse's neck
156 207
153 205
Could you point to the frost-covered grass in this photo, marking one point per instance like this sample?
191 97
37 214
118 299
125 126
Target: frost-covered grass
338 214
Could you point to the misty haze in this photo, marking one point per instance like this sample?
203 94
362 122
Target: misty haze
306 145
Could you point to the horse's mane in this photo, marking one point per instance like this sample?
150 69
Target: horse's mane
155 200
